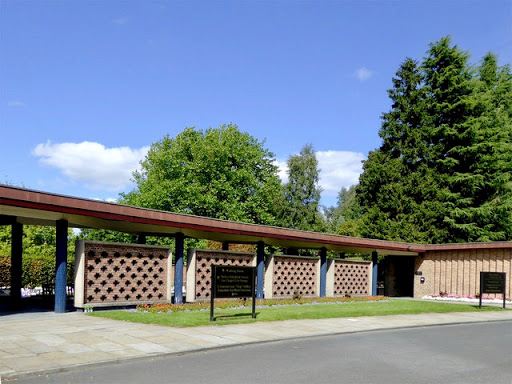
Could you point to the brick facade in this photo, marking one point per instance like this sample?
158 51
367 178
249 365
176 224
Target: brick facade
458 272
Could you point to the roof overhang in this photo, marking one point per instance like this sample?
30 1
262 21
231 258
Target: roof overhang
41 208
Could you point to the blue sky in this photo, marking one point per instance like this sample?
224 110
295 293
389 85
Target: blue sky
87 86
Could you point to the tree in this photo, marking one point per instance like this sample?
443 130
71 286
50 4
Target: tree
90 234
219 173
302 192
397 186
39 244
480 183
442 173
344 218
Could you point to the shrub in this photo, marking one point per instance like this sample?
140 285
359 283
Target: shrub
37 270
5 271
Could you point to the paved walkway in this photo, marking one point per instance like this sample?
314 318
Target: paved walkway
33 343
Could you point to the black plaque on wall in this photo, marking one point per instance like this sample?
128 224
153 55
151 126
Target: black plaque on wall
493 282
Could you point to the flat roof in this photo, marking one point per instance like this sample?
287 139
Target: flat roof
31 207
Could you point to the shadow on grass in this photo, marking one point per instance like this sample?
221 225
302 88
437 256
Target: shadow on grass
484 306
235 316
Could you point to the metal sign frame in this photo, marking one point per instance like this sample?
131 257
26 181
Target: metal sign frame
232 282
493 282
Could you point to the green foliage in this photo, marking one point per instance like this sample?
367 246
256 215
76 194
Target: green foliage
480 190
302 192
106 235
344 219
443 171
38 256
220 173
5 270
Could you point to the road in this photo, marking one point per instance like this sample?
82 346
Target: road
470 353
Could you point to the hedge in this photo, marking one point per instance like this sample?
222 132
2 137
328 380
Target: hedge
5 271
37 270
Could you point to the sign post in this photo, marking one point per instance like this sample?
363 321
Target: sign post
232 282
492 282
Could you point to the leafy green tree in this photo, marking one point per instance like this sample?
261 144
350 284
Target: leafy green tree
442 173
107 235
397 187
480 179
344 218
302 192
39 244
220 173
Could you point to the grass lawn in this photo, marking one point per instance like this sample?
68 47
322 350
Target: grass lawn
319 311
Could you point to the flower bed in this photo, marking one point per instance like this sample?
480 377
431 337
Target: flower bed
466 299
241 303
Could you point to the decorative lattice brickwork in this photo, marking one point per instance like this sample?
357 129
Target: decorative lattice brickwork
120 273
351 278
203 269
295 275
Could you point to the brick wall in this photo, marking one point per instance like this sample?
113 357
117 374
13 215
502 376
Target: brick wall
113 274
199 269
458 272
289 275
349 277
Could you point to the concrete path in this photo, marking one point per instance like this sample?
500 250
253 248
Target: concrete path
35 343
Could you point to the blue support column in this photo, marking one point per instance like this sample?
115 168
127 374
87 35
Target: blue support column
16 264
61 261
374 273
178 269
260 264
323 270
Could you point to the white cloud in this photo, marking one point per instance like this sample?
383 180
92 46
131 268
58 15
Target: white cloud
282 170
91 163
337 169
15 103
108 199
363 74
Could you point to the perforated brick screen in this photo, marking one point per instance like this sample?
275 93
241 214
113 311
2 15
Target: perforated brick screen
351 278
295 275
116 273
